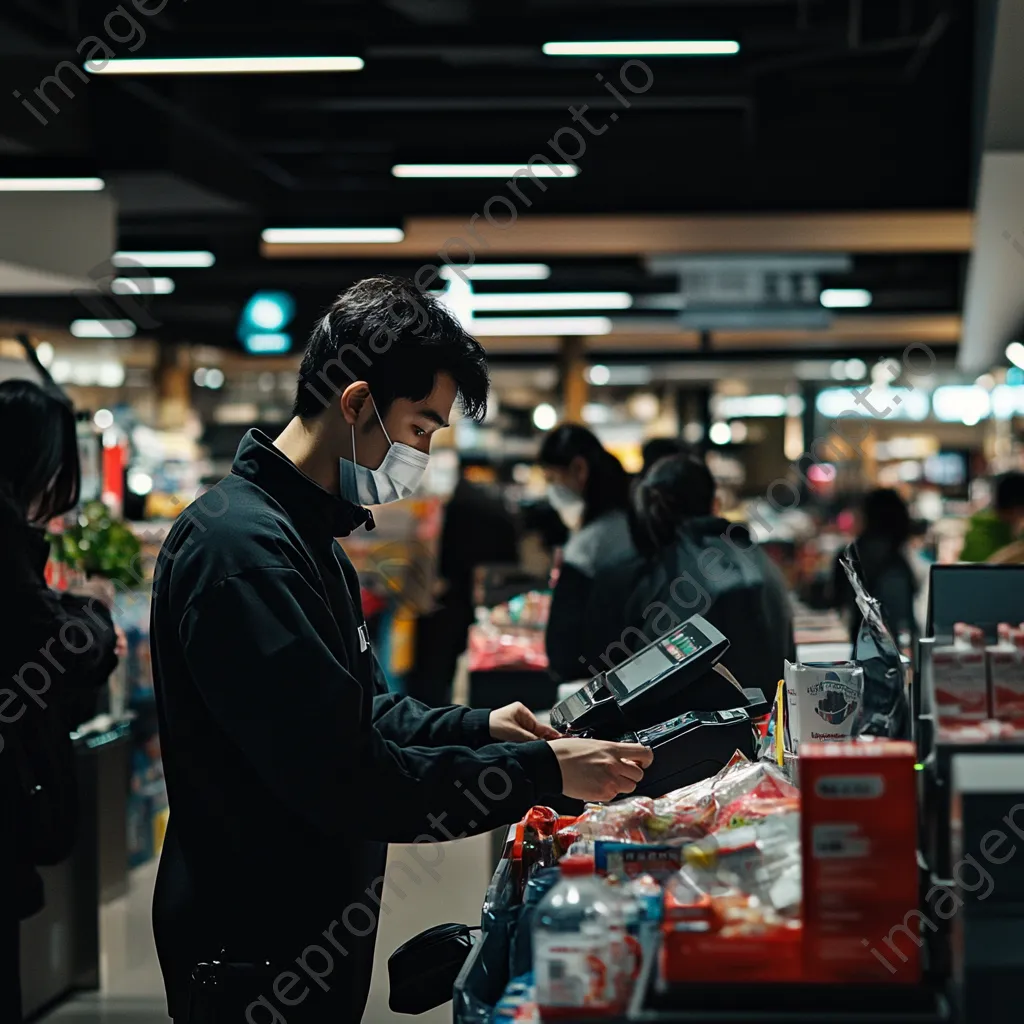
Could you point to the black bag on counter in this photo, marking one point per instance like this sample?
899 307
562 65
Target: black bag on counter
423 970
885 709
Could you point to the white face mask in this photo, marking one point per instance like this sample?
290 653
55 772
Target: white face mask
564 500
395 478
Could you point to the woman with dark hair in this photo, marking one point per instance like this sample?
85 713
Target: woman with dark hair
879 554
51 646
689 561
583 477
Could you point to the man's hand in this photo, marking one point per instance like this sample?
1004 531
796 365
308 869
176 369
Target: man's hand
516 723
598 770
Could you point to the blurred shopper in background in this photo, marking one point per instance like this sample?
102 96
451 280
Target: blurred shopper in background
663 447
880 555
478 530
998 526
588 484
689 562
39 480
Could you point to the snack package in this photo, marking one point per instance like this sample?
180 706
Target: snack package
1006 676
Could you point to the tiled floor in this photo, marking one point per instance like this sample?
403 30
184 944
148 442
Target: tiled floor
132 990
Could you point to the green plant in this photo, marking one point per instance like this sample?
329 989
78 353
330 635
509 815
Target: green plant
100 545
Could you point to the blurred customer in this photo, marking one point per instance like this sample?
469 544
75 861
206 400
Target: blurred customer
478 530
586 482
880 555
691 562
994 528
39 480
658 448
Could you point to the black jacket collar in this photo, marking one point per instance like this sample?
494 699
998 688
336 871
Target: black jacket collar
258 461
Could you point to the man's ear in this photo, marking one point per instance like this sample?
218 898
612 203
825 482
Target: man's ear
353 400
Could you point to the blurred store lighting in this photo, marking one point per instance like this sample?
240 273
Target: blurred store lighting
214 378
693 433
856 369
720 433
558 326
544 416
552 300
644 406
1007 401
139 483
332 236
986 381
846 298
44 353
544 170
271 343
498 272
52 185
598 375
221 65
176 258
103 419
730 407
644 48
102 328
268 311
1015 353
199 377
142 286
595 413
961 403
837 371
738 432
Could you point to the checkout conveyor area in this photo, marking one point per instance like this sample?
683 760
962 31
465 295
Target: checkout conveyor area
972 960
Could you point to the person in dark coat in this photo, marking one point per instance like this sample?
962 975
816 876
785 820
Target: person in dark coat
585 478
52 647
289 768
879 555
690 562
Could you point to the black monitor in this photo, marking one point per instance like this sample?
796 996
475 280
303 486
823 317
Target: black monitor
979 594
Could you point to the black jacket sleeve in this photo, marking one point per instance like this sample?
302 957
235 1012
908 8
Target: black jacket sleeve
71 638
255 647
564 638
410 723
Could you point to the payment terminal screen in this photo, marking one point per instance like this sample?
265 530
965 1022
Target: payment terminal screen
648 665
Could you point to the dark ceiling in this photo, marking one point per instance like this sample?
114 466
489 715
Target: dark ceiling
831 105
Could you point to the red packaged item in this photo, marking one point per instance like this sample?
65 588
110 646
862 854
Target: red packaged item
860 872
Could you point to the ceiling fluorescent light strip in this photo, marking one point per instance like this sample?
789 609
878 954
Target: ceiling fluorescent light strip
221 65
552 300
539 325
645 48
498 272
172 258
52 185
539 170
331 236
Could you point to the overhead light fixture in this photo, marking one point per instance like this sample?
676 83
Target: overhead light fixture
539 325
104 419
52 184
720 433
142 286
331 236
266 311
645 48
846 298
599 375
499 272
1015 353
172 258
139 483
221 65
552 300
102 328
540 170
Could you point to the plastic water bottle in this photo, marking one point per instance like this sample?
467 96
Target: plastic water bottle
576 933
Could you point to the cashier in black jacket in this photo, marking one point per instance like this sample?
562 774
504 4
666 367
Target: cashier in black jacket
288 765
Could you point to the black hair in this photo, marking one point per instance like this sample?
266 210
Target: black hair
607 485
675 489
886 515
40 473
385 331
1010 491
661 448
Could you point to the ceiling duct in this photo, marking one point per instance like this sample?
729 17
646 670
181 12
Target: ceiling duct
751 291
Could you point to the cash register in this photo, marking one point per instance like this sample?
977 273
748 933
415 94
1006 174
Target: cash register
651 699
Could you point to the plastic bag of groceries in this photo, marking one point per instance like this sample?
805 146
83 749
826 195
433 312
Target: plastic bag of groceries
885 710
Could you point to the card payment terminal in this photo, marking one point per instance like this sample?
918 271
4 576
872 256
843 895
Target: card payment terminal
645 700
